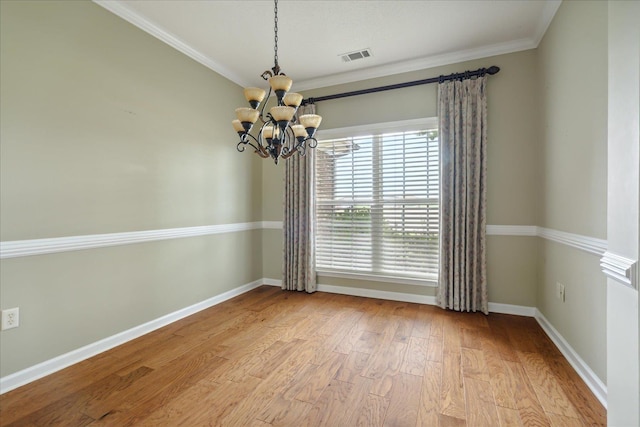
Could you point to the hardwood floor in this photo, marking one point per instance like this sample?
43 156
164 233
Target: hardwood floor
270 357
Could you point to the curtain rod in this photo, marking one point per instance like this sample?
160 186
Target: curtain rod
464 75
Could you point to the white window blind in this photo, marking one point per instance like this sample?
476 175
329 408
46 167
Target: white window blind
377 205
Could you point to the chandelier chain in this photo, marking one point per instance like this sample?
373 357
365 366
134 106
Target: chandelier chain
275 20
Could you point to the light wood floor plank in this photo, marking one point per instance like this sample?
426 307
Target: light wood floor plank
448 421
50 389
273 357
405 328
474 364
318 381
592 413
372 412
531 412
184 407
348 343
404 400
421 323
285 412
429 409
386 365
547 387
353 366
435 349
480 405
562 421
437 317
509 417
153 391
452 388
338 403
503 388
416 356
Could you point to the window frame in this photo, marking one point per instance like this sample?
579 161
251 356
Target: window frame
364 130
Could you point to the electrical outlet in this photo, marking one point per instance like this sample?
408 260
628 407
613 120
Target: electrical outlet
560 291
10 318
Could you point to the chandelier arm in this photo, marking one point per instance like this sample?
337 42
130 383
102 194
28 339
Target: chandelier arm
298 148
261 140
291 137
262 154
313 143
240 146
288 147
301 148
288 154
259 149
262 143
264 104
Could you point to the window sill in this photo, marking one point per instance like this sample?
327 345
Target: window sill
432 283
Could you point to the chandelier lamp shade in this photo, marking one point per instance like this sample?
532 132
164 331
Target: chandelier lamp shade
282 133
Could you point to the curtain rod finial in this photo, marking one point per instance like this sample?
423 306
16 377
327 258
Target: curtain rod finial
493 70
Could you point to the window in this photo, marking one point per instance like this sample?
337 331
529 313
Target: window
377 203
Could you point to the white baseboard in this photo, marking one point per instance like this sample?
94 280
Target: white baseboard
519 310
50 366
368 293
271 282
372 293
588 376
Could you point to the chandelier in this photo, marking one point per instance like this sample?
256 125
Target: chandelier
280 135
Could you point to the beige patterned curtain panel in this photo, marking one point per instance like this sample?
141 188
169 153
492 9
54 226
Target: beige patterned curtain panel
298 269
462 112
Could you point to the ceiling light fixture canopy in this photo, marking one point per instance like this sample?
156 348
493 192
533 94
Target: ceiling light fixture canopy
279 136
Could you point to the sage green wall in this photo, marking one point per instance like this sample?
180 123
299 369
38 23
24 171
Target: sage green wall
107 129
572 64
512 165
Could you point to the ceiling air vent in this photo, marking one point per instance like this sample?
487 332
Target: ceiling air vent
354 56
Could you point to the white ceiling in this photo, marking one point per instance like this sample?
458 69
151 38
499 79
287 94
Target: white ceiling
235 38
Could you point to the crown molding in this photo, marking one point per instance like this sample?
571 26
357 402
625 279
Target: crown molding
119 8
417 64
549 11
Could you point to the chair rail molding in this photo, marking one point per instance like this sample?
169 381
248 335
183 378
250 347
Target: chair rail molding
588 244
20 248
620 269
